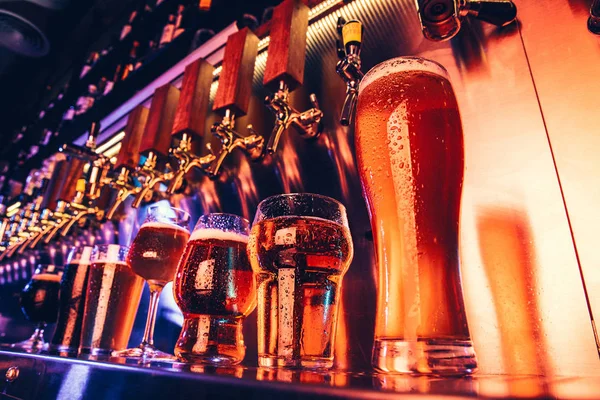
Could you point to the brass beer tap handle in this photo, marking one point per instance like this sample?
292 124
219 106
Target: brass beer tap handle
349 67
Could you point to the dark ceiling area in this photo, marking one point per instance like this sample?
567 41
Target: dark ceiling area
28 82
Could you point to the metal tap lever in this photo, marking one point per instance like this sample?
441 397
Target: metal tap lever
125 187
499 13
441 19
187 161
594 19
152 174
349 66
306 123
252 144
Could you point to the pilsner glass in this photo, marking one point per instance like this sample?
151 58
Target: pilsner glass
39 303
111 301
300 248
409 146
154 255
73 286
215 289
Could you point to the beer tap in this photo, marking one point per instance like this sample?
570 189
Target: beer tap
441 19
349 66
233 97
67 189
156 143
125 182
285 71
190 121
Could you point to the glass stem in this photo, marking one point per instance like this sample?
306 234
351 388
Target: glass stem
38 334
148 339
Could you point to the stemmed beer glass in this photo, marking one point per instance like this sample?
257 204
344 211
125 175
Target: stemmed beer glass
154 255
39 302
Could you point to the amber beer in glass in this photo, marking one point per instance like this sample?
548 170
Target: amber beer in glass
73 286
215 289
409 145
154 255
111 301
300 248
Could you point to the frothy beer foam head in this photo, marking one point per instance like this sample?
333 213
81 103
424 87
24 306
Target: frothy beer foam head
402 64
46 277
217 234
162 225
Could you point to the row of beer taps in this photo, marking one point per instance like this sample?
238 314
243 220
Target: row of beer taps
161 144
158 150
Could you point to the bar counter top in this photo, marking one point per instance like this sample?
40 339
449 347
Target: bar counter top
51 377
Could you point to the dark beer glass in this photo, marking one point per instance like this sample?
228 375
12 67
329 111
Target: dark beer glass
409 145
111 302
39 302
215 289
73 286
154 255
300 248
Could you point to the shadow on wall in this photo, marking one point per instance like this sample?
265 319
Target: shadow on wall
509 261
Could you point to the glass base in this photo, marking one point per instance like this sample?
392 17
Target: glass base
144 353
212 340
305 362
35 344
425 356
62 350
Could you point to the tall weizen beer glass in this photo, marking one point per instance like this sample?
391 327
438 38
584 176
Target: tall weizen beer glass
300 248
111 302
215 289
409 146
154 255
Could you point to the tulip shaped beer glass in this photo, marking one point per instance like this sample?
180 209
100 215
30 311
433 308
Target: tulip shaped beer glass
300 248
409 146
215 289
39 303
154 255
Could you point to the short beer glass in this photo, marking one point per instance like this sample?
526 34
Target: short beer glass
409 146
215 289
300 248
154 255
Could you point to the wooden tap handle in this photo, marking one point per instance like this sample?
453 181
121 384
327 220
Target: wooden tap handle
53 188
157 134
129 154
63 183
287 46
192 108
235 82
74 173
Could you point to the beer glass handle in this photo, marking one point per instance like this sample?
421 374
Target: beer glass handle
499 13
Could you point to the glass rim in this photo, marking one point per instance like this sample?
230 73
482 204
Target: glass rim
224 215
290 195
419 64
204 217
106 246
157 206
